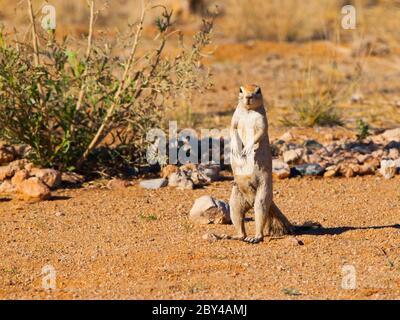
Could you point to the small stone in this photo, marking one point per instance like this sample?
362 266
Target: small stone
180 181
392 135
286 137
377 153
20 165
292 156
188 167
312 145
394 153
211 237
168 170
310 169
329 137
210 171
19 177
357 97
7 153
280 169
373 163
154 183
312 158
72 178
33 189
208 210
397 162
388 169
117 184
331 171
367 168
5 173
360 148
51 177
348 172
59 214
295 241
361 158
7 187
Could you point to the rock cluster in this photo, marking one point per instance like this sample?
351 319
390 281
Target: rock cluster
377 154
185 177
21 178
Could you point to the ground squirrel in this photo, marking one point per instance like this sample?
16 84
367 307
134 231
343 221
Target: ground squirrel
251 162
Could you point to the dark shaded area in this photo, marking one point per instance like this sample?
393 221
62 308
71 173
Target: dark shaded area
59 198
320 231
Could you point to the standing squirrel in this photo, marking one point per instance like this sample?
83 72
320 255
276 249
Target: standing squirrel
251 162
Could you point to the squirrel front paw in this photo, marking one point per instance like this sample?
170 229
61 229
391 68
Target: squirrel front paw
247 150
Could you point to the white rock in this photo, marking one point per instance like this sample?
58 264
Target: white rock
392 135
280 169
291 156
394 154
388 168
154 183
208 210
210 171
180 181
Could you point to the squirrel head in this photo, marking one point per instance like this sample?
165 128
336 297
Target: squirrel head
250 97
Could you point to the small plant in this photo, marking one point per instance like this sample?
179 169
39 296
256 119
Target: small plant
362 129
149 217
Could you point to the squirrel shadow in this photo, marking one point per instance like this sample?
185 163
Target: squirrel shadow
317 229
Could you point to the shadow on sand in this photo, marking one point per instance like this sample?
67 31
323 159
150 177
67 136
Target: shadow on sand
319 231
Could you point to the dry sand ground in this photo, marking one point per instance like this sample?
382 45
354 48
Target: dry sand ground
134 243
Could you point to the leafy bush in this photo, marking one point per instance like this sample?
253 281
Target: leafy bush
93 110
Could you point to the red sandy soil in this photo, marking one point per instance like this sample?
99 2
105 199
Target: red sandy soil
139 244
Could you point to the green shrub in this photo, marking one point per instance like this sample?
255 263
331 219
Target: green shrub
93 110
362 129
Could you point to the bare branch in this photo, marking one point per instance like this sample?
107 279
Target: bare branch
98 137
87 56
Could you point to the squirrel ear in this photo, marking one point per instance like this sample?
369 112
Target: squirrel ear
241 90
258 90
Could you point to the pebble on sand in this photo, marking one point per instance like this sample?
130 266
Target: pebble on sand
154 183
